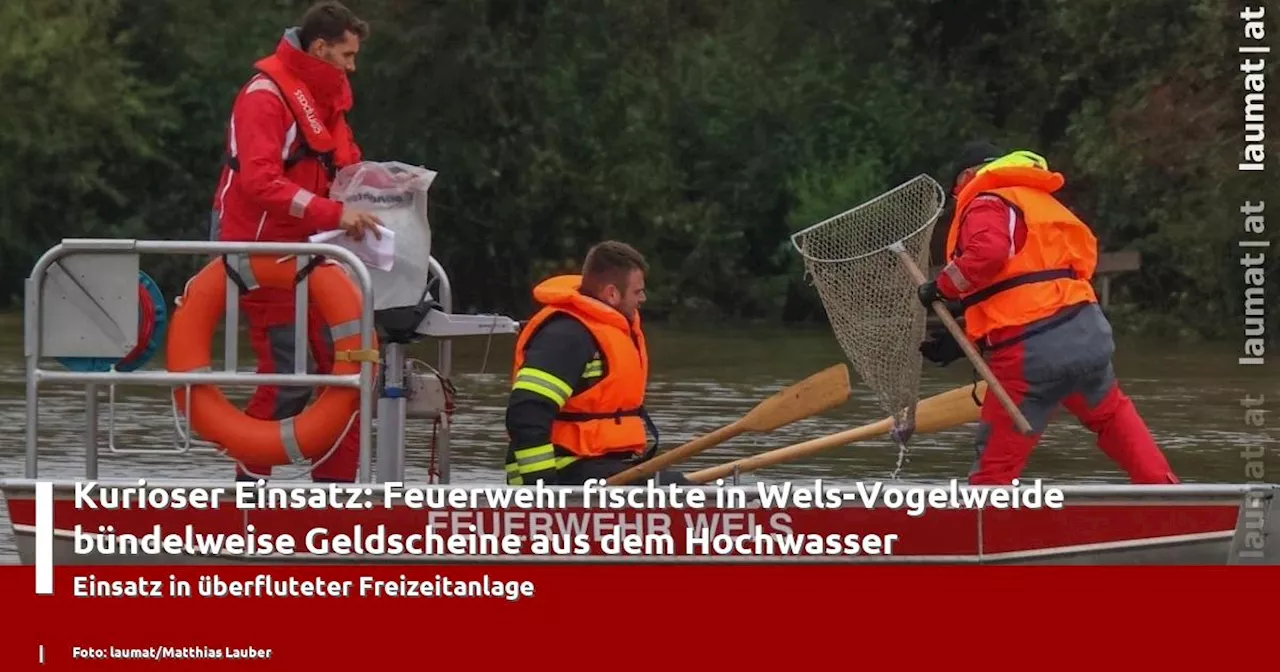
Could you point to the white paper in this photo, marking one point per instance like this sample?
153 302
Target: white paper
374 252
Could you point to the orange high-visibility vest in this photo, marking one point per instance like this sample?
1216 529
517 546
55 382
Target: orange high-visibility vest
607 417
1055 266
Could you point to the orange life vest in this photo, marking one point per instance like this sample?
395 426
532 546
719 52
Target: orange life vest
607 417
1055 266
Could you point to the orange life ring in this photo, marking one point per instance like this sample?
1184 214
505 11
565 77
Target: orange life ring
294 440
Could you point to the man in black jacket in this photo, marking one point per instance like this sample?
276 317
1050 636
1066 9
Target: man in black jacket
576 410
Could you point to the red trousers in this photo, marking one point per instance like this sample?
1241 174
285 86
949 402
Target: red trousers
270 317
1068 367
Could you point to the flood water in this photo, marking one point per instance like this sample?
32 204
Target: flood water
1190 396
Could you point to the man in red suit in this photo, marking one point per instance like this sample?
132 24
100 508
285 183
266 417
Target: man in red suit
287 138
1021 265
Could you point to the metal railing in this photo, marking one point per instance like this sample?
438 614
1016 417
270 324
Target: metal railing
364 381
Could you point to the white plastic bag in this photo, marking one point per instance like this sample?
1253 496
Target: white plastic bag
397 193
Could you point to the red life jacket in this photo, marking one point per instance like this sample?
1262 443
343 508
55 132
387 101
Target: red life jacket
312 140
316 140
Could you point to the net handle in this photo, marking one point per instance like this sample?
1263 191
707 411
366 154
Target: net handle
929 181
940 309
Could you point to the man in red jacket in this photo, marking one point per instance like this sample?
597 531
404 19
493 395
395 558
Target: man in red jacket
1021 264
287 138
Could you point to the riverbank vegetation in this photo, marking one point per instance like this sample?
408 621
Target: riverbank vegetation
702 131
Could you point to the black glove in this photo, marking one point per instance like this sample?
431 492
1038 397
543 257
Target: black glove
940 347
928 293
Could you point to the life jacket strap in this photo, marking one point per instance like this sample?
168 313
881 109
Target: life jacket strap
1017 281
302 151
617 415
235 277
1051 323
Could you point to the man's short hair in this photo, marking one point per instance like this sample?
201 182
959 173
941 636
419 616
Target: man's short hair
610 263
330 21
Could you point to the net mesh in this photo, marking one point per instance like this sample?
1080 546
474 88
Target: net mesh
869 294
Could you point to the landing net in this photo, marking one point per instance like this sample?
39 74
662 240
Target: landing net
870 296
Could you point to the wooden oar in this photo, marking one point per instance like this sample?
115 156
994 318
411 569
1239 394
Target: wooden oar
820 392
941 411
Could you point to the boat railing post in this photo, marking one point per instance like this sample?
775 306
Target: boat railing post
366 367
231 323
300 349
392 415
91 431
31 351
32 336
186 430
445 357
